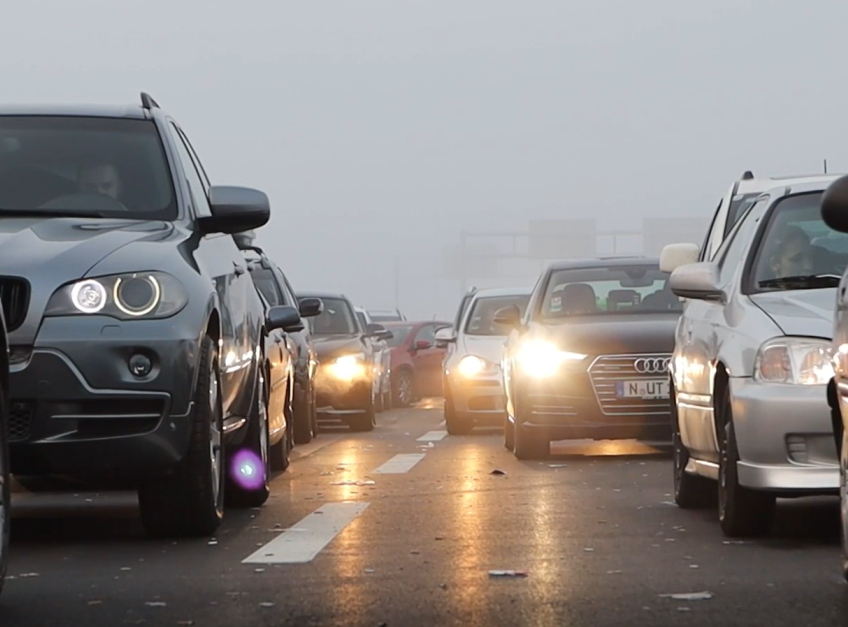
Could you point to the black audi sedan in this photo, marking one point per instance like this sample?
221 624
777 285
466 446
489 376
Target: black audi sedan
589 358
136 334
346 380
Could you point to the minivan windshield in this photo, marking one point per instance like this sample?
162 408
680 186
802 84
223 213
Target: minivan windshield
95 167
336 319
481 320
602 290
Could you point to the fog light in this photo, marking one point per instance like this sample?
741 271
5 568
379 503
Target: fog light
140 365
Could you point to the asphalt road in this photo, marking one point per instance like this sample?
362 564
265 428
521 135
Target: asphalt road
593 529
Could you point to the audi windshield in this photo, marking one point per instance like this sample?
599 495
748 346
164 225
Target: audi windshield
607 290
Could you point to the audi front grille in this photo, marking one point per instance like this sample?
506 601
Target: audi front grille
14 296
607 370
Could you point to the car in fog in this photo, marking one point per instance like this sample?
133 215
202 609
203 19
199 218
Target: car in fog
834 211
346 380
5 475
416 361
752 362
473 380
589 358
382 360
136 332
380 316
277 291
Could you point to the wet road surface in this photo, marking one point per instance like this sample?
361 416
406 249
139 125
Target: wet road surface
593 528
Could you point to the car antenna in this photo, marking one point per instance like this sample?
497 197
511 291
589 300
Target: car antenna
147 101
747 175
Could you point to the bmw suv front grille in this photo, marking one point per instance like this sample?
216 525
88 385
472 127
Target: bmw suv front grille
607 372
14 295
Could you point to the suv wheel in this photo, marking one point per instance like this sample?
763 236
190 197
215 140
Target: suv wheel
455 425
249 479
190 501
843 501
280 453
5 486
367 419
303 432
403 388
530 444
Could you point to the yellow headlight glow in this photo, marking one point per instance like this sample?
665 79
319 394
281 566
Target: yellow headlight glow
471 366
543 359
347 368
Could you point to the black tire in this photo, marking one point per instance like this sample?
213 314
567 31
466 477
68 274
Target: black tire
256 441
190 501
378 402
741 512
456 425
403 388
843 501
280 453
530 444
367 420
5 486
509 434
690 491
302 410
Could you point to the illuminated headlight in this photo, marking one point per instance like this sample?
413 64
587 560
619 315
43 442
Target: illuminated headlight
348 367
794 361
472 366
125 296
543 359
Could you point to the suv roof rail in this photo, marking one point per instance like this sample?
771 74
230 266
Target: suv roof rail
147 101
747 175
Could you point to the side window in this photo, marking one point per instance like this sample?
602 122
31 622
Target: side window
288 294
197 163
705 247
195 183
729 256
426 333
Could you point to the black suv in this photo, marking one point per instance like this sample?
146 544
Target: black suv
277 290
136 334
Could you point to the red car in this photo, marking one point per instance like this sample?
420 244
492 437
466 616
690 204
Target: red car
416 362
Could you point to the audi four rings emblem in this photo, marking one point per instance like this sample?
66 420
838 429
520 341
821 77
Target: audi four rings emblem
651 365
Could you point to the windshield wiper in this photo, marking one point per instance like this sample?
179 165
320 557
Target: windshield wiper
52 213
803 281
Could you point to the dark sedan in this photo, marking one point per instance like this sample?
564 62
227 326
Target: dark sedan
590 357
136 332
347 380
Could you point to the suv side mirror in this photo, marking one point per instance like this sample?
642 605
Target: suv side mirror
675 255
285 318
834 205
310 307
444 336
508 316
698 281
378 332
235 209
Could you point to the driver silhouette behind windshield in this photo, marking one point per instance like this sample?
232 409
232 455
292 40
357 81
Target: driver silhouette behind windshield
102 178
794 254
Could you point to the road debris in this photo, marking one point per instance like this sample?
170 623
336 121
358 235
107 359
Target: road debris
156 604
498 471
266 604
689 596
507 573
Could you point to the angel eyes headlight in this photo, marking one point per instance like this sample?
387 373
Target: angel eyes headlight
125 296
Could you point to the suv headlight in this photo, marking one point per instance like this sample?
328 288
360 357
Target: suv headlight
794 361
543 359
472 366
131 296
348 367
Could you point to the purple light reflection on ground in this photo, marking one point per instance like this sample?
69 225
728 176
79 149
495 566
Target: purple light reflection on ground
247 470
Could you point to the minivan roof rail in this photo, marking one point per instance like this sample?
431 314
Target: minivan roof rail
147 101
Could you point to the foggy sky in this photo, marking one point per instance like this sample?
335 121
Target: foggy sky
381 128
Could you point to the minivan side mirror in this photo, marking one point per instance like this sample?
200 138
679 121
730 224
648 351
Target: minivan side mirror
284 317
698 281
235 209
675 255
834 205
310 307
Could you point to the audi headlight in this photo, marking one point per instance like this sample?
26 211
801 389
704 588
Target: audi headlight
794 361
472 366
125 296
543 359
348 367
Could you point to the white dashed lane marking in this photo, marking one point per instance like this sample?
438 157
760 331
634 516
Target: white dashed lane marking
399 464
301 543
432 436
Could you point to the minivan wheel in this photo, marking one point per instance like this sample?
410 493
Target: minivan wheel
190 501
244 489
741 512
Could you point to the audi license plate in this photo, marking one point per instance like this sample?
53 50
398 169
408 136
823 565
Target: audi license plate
650 389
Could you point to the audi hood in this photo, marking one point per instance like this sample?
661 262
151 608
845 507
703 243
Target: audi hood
611 334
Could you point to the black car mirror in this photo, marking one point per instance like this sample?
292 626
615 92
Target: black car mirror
235 209
285 318
311 307
375 330
508 316
834 205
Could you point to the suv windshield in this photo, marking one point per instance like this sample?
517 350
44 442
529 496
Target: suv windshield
738 206
608 290
336 319
84 166
798 250
481 319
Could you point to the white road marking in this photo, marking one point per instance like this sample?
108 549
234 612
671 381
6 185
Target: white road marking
307 539
399 464
432 436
